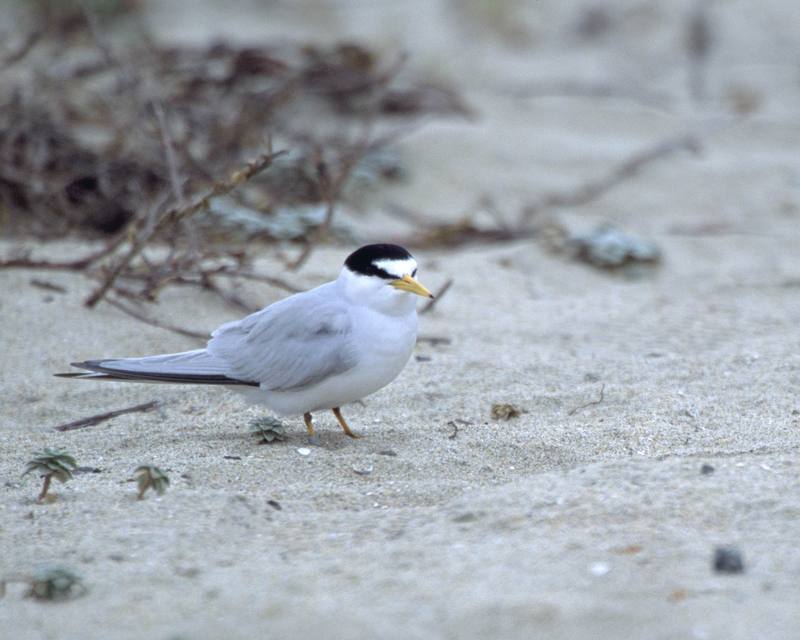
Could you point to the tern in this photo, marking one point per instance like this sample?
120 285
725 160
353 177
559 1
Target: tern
313 351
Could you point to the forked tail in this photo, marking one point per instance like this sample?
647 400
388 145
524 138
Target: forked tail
188 367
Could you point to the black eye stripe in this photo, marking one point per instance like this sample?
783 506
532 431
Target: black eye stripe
382 274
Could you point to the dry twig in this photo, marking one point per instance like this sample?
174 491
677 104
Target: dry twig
47 286
698 45
437 296
156 323
434 341
72 265
627 169
331 190
102 417
589 404
572 88
22 50
176 214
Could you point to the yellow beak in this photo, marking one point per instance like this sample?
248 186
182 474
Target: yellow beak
407 283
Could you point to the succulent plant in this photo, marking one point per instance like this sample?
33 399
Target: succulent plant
150 477
51 463
49 583
268 430
55 583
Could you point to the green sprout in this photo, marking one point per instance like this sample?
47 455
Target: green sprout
51 463
150 477
55 583
49 583
268 430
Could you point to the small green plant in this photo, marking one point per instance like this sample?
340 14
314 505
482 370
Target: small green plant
51 463
55 583
150 477
268 430
49 583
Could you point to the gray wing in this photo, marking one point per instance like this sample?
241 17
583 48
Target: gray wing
299 341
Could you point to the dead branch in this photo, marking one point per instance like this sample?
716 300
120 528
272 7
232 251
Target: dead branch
331 190
198 279
169 151
12 57
278 283
698 47
228 296
102 417
73 265
434 341
591 403
176 214
576 89
436 297
589 191
156 323
47 286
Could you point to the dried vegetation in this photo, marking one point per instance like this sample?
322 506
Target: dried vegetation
108 134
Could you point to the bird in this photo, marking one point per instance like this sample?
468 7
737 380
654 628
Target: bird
313 351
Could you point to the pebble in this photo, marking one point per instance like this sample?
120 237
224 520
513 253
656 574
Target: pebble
304 451
728 560
706 469
599 568
362 471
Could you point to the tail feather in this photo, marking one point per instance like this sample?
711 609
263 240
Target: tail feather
189 367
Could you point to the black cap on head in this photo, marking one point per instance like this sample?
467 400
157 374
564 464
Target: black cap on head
362 261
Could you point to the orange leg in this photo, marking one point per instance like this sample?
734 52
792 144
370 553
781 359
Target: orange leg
309 425
338 413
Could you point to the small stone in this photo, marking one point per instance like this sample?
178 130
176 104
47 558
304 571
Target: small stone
362 471
80 470
706 469
728 560
467 516
599 568
304 451
387 452
275 505
608 247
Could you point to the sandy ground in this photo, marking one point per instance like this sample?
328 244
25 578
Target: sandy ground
565 522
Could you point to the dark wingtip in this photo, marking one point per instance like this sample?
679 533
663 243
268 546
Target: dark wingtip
90 365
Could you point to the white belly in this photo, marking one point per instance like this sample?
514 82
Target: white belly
384 345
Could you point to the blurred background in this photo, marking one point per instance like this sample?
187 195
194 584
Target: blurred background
609 390
434 123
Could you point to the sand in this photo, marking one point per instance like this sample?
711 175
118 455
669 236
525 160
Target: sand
573 520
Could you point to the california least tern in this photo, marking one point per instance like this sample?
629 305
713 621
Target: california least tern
313 351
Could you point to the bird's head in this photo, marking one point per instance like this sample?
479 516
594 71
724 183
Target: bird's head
382 276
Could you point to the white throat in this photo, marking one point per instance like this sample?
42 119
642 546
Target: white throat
376 293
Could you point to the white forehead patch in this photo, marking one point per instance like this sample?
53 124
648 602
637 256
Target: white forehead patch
397 268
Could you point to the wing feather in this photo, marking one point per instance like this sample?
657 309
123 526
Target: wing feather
299 341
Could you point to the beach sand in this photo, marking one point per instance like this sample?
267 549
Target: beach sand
585 517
